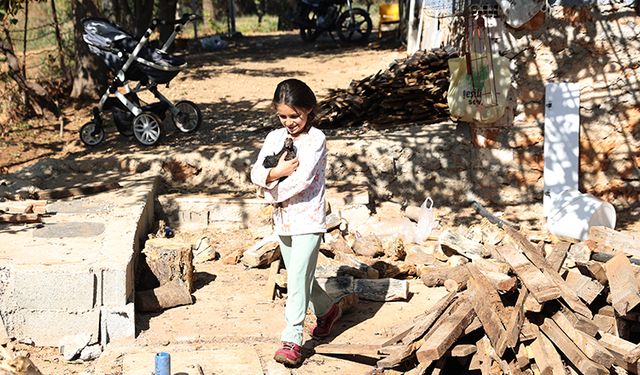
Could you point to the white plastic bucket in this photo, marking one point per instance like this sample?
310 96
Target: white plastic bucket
573 213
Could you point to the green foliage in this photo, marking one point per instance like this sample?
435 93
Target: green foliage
9 8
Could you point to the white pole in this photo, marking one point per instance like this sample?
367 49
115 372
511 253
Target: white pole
411 39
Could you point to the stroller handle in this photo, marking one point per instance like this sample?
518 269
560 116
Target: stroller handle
180 21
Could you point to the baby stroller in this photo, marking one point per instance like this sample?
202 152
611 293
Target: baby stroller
133 60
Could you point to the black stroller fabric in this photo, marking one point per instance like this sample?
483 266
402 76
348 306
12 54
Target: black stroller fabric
114 45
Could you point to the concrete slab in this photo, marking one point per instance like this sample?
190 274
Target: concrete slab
64 276
231 359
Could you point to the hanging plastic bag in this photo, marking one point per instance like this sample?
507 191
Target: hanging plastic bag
426 221
482 95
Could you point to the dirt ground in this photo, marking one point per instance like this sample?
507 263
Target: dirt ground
233 88
230 314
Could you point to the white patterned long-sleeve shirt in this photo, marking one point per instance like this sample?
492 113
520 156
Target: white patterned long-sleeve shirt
301 195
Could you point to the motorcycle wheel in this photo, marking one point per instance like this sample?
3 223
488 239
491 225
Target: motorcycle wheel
309 17
357 30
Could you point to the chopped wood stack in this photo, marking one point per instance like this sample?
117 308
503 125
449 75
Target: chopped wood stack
411 89
519 307
27 211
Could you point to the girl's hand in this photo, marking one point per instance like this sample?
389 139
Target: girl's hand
284 168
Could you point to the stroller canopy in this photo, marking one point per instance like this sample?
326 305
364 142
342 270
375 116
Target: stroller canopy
106 40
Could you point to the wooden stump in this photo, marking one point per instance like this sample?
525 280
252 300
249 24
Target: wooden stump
165 260
171 294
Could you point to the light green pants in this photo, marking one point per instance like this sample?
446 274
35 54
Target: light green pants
300 255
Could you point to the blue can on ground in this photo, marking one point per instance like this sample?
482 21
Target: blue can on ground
163 363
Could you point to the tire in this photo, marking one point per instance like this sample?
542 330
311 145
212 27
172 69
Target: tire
308 16
123 121
189 118
357 31
147 129
91 134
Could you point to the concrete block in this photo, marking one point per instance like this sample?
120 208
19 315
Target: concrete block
117 285
47 327
47 288
117 323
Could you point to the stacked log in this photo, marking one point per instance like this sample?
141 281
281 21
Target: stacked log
519 307
410 90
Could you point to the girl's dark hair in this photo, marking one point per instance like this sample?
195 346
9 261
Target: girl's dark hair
297 95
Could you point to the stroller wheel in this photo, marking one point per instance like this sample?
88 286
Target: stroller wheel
189 118
147 128
91 134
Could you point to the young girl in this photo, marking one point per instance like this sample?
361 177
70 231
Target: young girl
299 212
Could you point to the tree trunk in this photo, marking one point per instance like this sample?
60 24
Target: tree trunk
208 14
167 12
142 18
63 65
37 99
90 77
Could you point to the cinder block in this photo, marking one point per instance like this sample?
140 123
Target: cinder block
117 285
53 288
117 323
47 327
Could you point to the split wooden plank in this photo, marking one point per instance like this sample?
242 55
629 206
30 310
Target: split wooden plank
420 328
260 256
513 327
633 355
24 207
487 305
382 290
19 218
581 323
443 336
570 350
558 254
585 287
538 284
623 285
629 243
546 356
74 191
619 348
540 262
555 259
353 349
462 245
528 331
595 270
484 357
436 276
463 350
270 288
587 344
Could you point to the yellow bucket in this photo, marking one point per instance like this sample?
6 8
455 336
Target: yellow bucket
389 12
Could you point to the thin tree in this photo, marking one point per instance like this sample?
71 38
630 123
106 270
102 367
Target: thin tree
90 76
63 65
37 99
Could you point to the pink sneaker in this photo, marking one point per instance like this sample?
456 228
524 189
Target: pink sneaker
325 322
289 354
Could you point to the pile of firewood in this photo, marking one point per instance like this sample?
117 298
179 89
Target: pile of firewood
410 90
517 306
16 363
